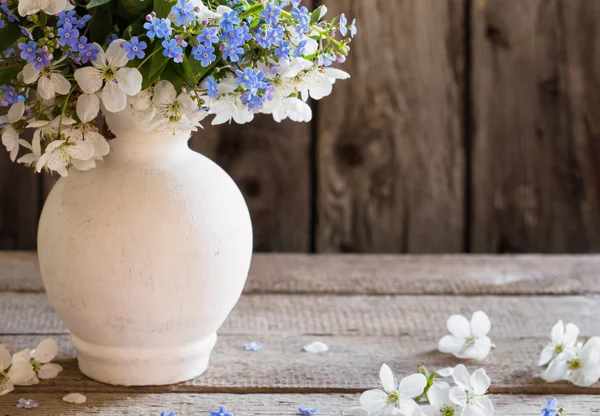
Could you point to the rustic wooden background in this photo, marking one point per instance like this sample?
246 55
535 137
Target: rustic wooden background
468 126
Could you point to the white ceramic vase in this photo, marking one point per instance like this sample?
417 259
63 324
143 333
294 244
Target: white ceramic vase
145 256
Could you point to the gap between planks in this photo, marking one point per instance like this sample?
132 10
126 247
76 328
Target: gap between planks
256 404
382 274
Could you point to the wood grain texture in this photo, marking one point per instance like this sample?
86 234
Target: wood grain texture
270 163
351 365
382 274
536 181
19 205
104 404
390 152
360 316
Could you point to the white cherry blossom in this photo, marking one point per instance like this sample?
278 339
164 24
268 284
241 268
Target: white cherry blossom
467 340
13 374
10 136
394 398
30 159
176 111
439 401
50 80
50 7
469 392
561 339
88 106
40 359
580 365
109 73
321 81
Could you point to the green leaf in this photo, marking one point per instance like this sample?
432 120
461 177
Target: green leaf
162 8
136 27
171 73
9 35
96 3
316 15
185 70
153 68
6 75
101 24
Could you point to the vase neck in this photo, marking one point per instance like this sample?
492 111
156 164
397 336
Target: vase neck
132 143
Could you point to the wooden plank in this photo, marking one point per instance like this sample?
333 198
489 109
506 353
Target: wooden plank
256 404
382 274
392 168
20 205
270 162
362 316
350 366
536 182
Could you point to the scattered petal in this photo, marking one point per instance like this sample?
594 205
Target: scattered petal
307 411
316 347
76 398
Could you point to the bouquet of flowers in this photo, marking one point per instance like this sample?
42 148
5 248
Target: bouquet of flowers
172 62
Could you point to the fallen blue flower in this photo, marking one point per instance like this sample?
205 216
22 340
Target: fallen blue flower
551 409
307 411
253 346
221 412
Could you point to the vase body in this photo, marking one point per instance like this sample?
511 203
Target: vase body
144 257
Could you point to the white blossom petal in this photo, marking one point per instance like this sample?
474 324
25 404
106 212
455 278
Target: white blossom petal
46 88
316 347
450 344
30 74
570 336
113 98
459 326
480 382
21 373
61 85
461 376
374 402
480 324
6 388
558 332
116 55
386 378
164 93
16 112
88 106
413 385
76 398
89 79
458 396
5 358
129 80
48 371
46 351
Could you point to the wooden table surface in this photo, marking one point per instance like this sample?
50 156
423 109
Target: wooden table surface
369 309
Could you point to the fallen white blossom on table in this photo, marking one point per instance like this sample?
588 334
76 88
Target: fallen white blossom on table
468 398
40 358
13 374
467 339
394 398
316 347
569 360
561 339
470 392
76 398
580 365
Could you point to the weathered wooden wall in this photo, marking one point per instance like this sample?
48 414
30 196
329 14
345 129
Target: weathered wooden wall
469 125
